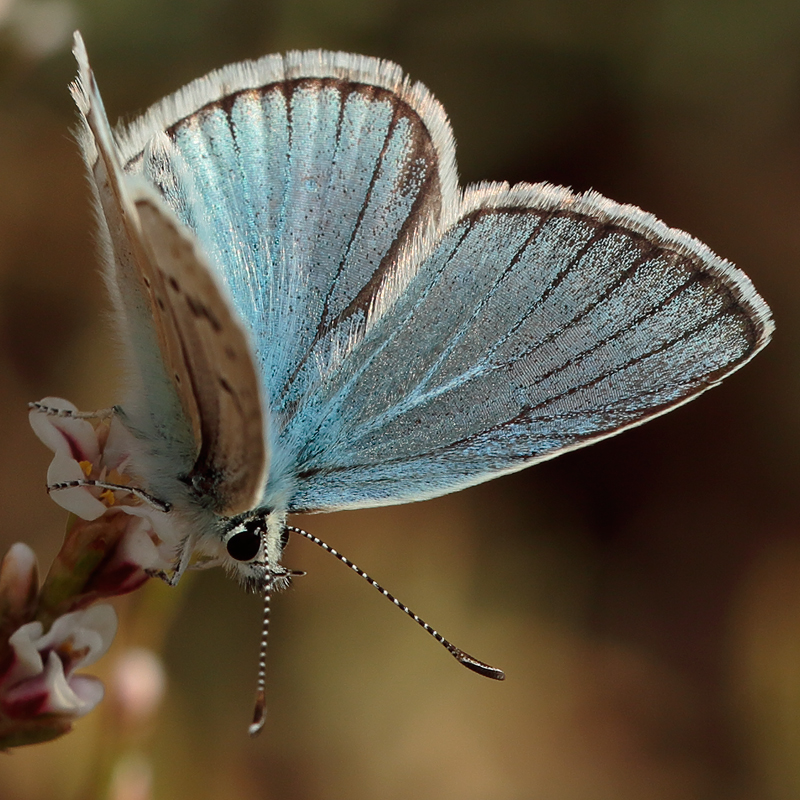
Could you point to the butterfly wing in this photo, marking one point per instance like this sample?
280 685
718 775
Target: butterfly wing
542 322
230 466
412 342
196 400
307 179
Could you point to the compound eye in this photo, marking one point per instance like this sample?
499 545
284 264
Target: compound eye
243 545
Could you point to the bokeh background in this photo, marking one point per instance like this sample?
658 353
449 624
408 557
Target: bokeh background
643 595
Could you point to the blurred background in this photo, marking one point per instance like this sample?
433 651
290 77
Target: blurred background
643 595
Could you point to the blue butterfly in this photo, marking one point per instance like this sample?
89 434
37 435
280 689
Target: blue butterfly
316 317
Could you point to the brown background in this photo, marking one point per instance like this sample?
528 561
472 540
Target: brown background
643 595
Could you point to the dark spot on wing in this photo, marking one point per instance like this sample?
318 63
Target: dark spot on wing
201 311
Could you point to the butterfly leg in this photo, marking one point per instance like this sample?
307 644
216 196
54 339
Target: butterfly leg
171 579
51 411
159 505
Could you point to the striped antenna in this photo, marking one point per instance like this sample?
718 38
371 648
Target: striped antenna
464 658
260 710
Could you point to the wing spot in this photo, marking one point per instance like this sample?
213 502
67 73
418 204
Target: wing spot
230 353
202 311
196 309
160 304
215 323
174 284
226 387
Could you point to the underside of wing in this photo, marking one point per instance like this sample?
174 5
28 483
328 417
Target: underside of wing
231 466
543 321
195 396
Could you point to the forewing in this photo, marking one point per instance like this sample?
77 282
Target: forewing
304 178
196 396
542 322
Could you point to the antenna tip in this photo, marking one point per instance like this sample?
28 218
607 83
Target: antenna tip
487 670
259 715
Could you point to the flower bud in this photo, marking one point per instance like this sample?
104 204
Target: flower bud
19 586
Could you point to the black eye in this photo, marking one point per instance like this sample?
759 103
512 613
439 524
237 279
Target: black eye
243 545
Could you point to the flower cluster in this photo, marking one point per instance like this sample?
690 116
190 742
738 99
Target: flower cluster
111 547
98 451
40 692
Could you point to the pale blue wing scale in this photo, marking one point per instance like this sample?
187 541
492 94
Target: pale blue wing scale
531 330
412 343
301 194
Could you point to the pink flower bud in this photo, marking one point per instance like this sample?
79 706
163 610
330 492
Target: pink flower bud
19 585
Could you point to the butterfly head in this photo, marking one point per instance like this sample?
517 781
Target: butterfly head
254 543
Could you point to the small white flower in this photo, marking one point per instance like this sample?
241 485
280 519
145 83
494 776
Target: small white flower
42 679
100 452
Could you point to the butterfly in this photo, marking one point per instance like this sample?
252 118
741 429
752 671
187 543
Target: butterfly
316 317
